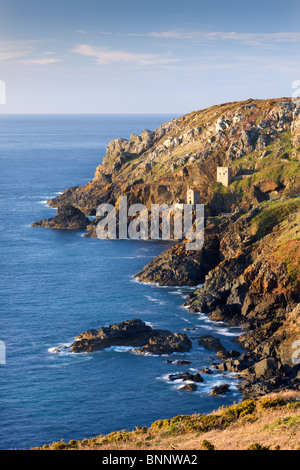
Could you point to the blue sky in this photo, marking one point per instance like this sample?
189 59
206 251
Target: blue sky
145 57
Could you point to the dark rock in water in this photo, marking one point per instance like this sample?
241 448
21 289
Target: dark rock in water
164 342
188 387
181 362
206 370
178 362
133 333
220 390
128 333
186 376
210 342
68 217
228 354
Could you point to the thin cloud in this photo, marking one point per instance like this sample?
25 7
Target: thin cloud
24 51
45 61
253 39
266 40
105 56
15 49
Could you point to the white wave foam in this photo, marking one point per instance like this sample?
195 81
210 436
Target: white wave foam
61 346
153 299
185 319
45 203
119 348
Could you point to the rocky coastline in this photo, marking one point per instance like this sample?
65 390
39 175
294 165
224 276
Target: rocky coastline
68 218
247 272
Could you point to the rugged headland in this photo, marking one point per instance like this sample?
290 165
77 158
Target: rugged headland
247 272
258 139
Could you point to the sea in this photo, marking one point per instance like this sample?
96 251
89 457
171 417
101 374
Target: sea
56 284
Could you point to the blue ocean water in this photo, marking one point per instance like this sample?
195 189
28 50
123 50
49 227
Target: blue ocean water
57 284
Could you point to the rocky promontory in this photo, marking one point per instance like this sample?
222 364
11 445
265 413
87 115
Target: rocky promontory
179 266
68 217
258 139
131 333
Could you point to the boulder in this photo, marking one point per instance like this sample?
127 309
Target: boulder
206 370
188 387
223 354
165 342
211 343
220 390
266 368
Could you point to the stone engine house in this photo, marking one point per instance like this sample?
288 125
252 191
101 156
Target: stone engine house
192 197
224 175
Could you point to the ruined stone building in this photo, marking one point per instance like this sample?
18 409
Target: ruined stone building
224 175
192 197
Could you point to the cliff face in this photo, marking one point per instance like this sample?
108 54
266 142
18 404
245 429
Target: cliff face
178 266
259 139
257 284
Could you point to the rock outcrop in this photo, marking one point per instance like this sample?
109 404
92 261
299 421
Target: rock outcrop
179 266
164 342
131 333
210 342
220 389
68 217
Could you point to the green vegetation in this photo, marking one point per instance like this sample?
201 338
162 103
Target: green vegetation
258 446
289 421
189 427
273 213
184 424
266 403
206 445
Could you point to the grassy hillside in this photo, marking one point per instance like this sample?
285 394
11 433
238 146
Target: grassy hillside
270 423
